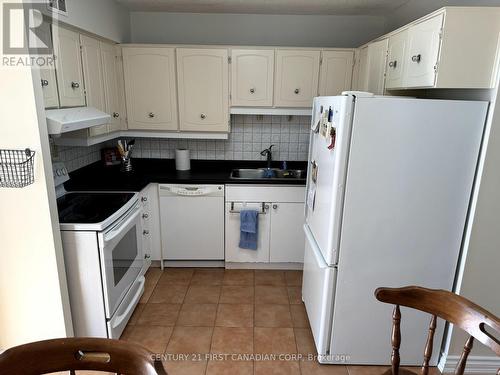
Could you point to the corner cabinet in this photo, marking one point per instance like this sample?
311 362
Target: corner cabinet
252 74
336 72
150 88
113 86
372 67
297 74
203 89
68 67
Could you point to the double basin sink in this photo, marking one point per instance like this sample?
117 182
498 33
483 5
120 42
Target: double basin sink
268 174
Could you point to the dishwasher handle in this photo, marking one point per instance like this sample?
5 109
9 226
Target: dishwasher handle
192 190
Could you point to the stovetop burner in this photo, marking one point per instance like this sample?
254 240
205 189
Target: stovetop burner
90 208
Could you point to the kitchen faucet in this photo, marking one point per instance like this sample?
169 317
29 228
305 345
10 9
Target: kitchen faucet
269 154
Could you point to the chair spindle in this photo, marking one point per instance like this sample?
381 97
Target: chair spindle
429 345
396 340
460 369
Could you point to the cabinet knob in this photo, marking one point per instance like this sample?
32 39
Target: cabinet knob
275 206
45 82
151 114
393 64
266 207
145 216
252 90
116 114
75 85
145 232
144 199
203 116
416 58
296 91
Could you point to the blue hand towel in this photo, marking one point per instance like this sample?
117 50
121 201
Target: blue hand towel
249 229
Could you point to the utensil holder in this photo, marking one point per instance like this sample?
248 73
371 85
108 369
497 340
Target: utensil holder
126 165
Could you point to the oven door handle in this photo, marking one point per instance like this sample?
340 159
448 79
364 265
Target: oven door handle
119 227
131 305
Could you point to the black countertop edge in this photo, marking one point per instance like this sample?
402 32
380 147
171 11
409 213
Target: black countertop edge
97 176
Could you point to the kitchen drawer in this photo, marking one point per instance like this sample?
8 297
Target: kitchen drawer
266 193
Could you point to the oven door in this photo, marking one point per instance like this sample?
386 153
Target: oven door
121 255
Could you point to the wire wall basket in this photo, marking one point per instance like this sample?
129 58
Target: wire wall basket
16 168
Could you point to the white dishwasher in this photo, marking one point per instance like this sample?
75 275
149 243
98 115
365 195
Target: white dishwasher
192 221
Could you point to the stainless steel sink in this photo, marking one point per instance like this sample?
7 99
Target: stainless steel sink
268 174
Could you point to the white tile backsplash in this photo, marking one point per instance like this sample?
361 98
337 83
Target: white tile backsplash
249 135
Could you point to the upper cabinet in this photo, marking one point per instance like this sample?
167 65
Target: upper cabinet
48 76
336 72
113 85
297 73
93 78
252 74
68 67
203 89
423 51
150 88
452 48
372 60
396 60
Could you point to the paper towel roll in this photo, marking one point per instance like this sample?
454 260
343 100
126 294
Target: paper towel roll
182 161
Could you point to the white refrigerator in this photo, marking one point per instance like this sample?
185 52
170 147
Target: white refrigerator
388 192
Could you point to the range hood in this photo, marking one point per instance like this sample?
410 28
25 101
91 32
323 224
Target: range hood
70 119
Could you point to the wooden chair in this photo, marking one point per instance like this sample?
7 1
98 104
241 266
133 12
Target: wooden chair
473 319
74 354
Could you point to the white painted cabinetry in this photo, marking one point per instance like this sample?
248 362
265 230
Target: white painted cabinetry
396 59
203 89
281 213
93 78
150 89
297 74
252 74
372 67
151 243
286 239
336 72
113 89
68 67
48 75
423 51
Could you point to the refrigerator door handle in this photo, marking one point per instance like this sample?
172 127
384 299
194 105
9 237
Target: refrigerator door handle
317 253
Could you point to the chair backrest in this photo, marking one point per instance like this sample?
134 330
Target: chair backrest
73 354
479 323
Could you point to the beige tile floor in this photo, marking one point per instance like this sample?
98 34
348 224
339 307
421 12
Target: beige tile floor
195 317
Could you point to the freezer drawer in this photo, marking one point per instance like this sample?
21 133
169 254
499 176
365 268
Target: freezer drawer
318 290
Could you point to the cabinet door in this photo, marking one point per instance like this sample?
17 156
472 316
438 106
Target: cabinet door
336 72
362 79
423 51
287 234
232 235
111 86
68 67
48 76
252 73
121 87
93 78
297 74
150 88
396 60
377 56
203 81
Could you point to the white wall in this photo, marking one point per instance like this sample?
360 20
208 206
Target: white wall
252 29
414 9
34 302
105 18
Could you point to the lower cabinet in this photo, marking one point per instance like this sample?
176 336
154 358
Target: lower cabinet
281 216
151 244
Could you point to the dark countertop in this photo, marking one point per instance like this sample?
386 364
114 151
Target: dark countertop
96 176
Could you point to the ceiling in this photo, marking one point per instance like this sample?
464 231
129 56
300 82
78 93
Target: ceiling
344 7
